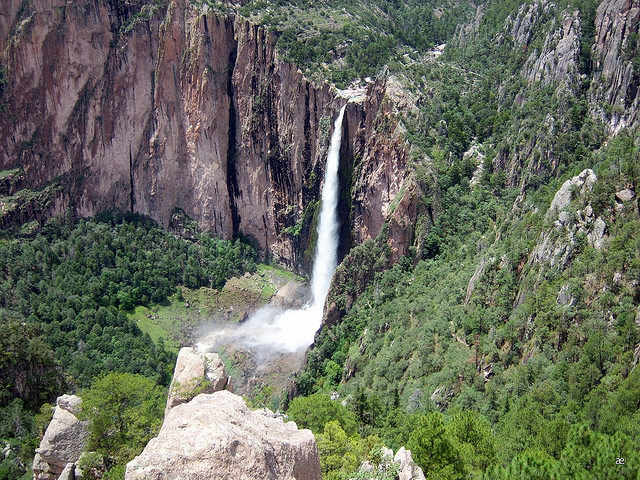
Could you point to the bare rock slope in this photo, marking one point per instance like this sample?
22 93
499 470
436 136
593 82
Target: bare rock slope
216 436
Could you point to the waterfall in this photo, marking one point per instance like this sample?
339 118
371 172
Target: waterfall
326 259
292 330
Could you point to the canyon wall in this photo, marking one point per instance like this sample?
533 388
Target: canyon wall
152 106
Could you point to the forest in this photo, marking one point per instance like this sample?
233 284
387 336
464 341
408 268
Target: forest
504 345
64 298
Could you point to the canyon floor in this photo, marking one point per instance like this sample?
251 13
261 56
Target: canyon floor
188 315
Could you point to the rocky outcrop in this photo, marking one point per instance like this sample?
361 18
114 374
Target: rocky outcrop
407 468
294 294
209 433
556 245
467 33
580 184
402 464
194 374
215 436
148 106
520 27
614 94
557 61
63 441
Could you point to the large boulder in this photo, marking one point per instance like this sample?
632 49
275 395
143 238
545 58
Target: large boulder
63 441
215 437
293 294
407 468
196 373
582 183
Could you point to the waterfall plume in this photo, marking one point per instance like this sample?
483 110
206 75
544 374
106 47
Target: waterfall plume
294 329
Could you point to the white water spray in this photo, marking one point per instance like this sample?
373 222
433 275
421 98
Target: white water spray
292 330
326 260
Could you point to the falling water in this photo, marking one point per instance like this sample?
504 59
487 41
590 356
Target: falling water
326 259
291 330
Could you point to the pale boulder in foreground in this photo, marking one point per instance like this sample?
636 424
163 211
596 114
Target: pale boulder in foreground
196 373
215 437
63 441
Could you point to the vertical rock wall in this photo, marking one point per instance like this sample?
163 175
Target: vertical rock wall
146 107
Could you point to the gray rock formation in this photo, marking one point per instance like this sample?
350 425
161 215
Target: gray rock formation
403 462
216 437
69 472
521 26
407 468
596 235
558 59
615 79
555 246
625 195
63 441
293 294
581 184
194 374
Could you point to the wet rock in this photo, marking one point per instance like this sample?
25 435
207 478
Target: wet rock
293 294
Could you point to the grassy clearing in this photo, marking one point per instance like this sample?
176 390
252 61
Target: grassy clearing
9 173
176 321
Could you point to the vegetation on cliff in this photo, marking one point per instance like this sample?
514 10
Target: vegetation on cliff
505 345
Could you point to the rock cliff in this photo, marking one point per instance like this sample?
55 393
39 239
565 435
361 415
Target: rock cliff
148 106
215 436
63 441
616 67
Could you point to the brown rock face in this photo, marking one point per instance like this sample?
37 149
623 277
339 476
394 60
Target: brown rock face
146 108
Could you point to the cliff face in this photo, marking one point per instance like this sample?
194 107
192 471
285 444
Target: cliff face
617 69
151 106
588 58
213 435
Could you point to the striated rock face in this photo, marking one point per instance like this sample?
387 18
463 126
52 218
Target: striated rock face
558 59
194 374
215 436
616 69
148 107
63 441
520 27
